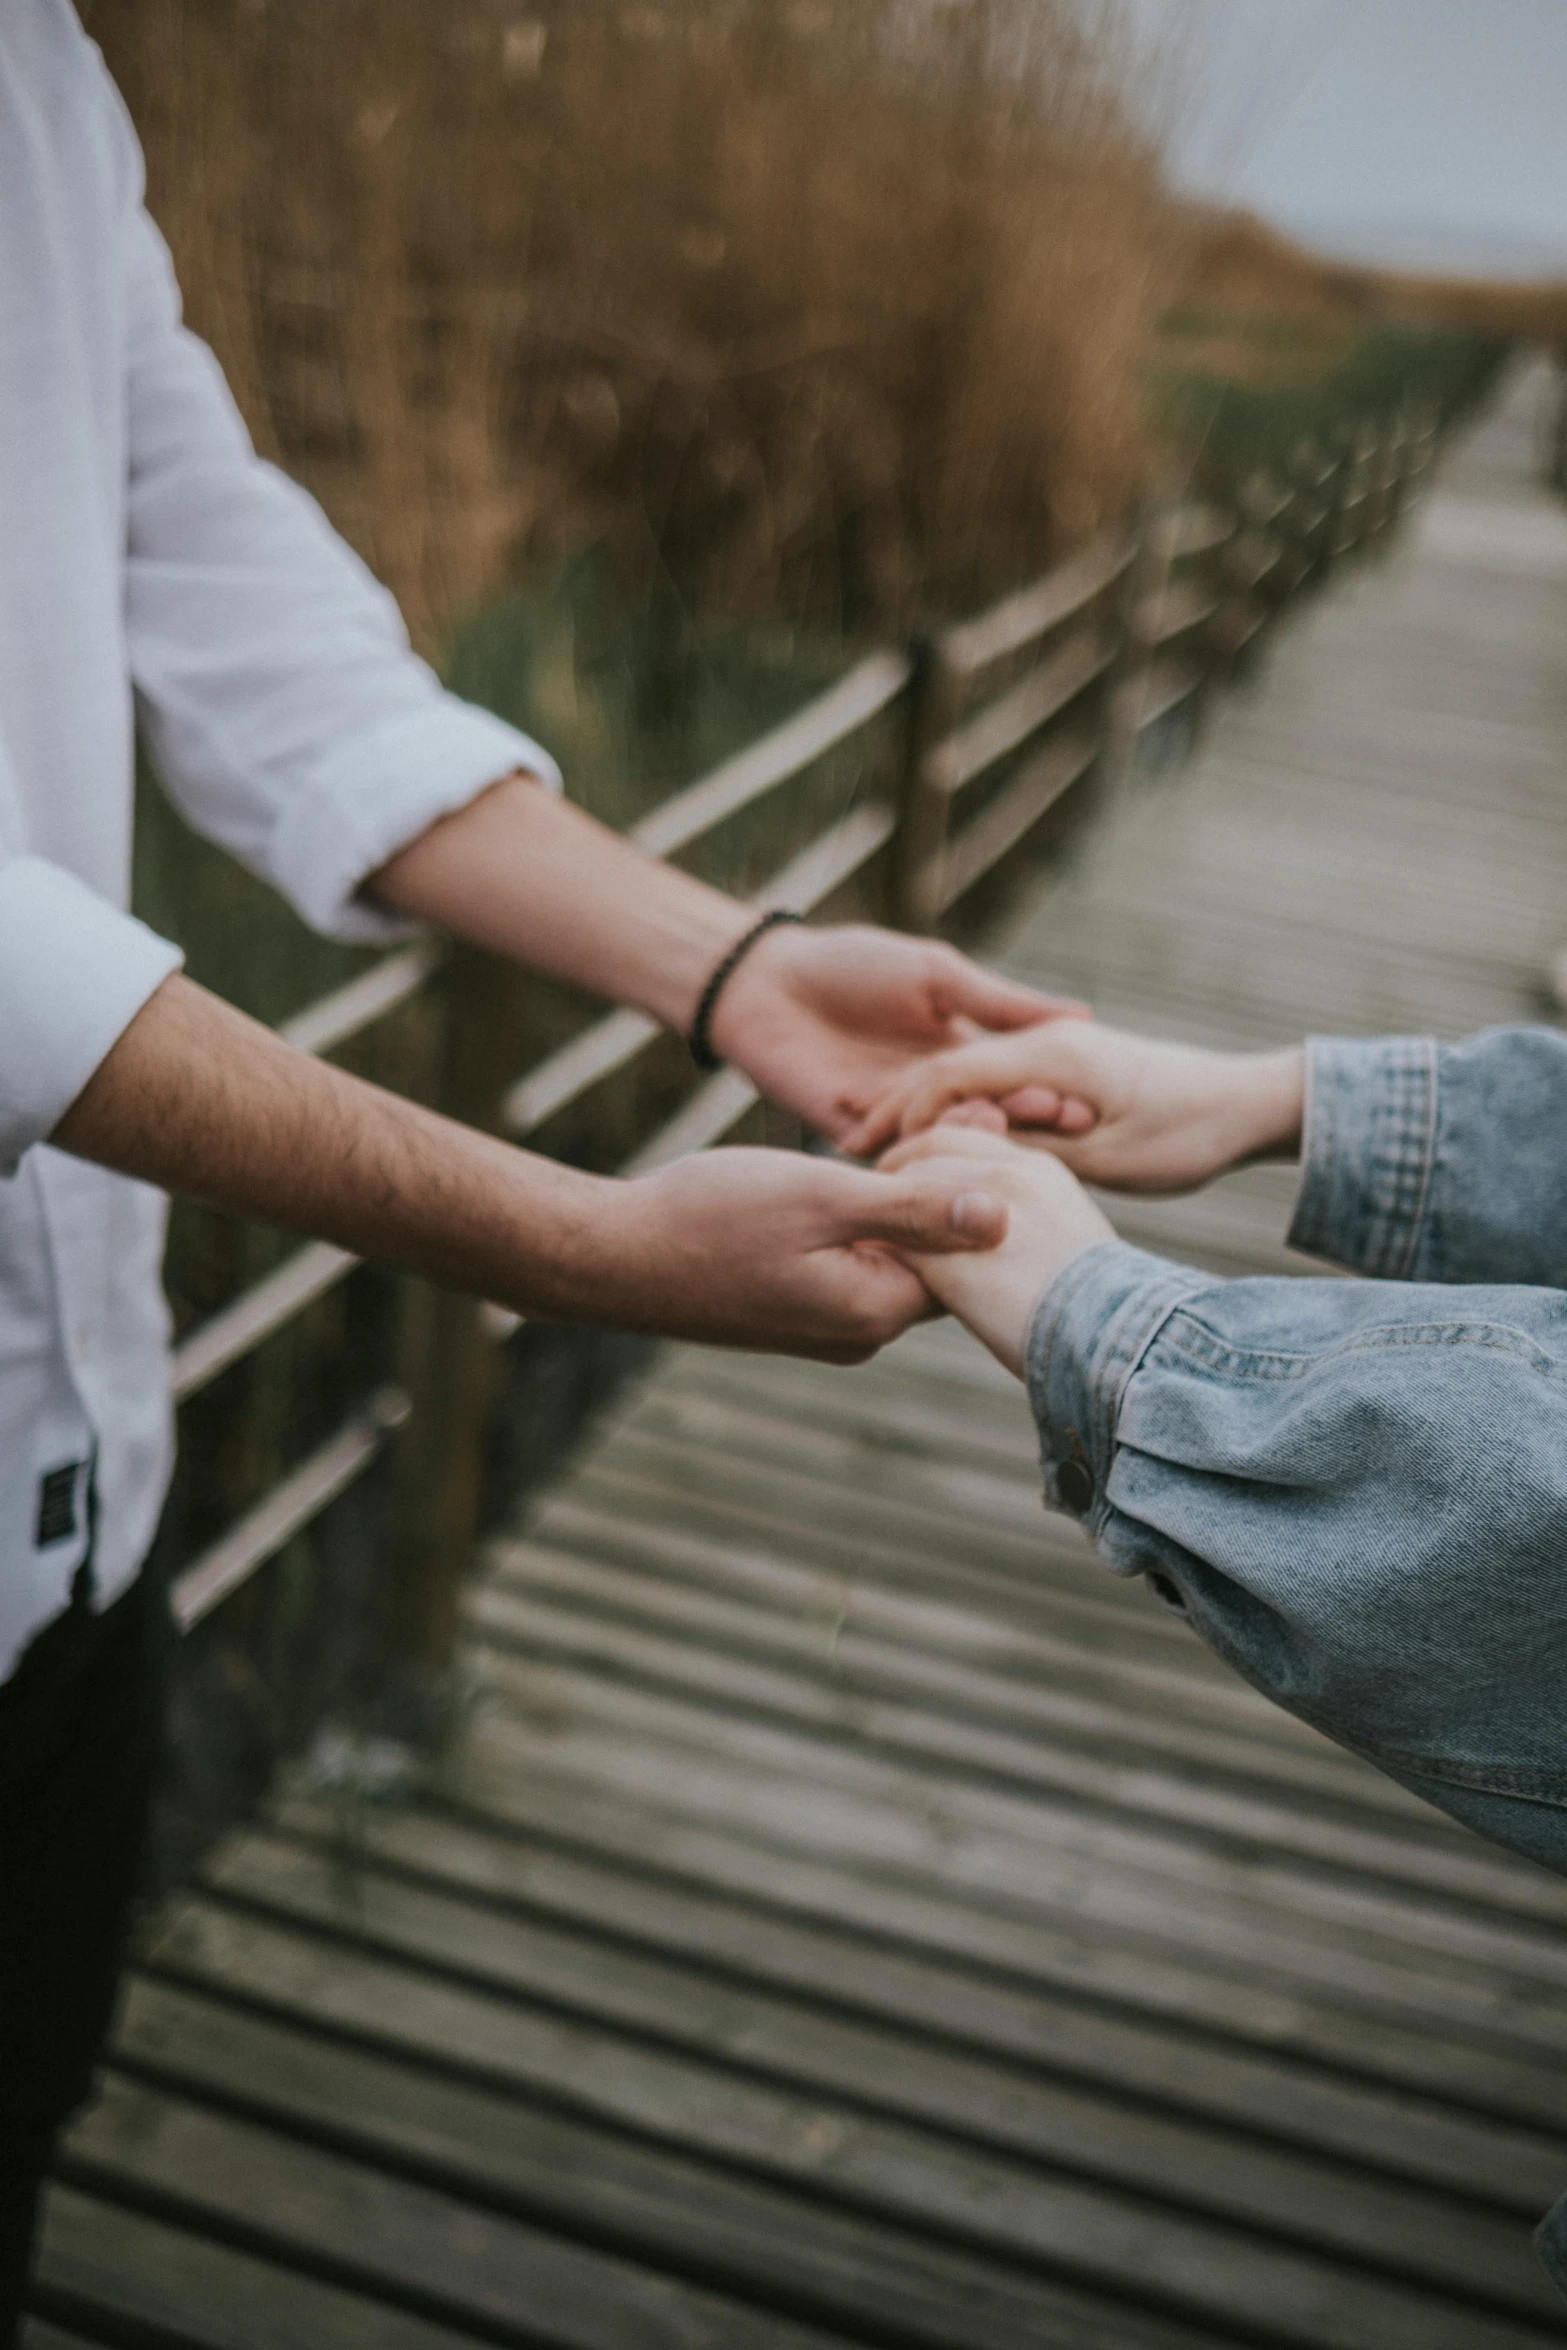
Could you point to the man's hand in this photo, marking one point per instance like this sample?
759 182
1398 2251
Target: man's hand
777 1252
1119 1110
824 1020
1050 1220
766 1249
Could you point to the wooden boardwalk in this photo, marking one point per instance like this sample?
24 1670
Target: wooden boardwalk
853 1918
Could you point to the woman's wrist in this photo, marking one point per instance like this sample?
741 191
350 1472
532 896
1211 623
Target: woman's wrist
1267 1107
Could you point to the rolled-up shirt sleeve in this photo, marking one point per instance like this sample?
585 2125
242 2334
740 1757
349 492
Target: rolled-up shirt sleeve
1437 1162
74 972
1356 1492
287 714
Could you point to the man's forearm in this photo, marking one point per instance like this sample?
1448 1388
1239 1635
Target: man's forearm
531 877
204 1102
761 1249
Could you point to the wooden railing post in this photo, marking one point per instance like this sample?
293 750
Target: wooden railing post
923 807
1556 447
1406 468
1385 478
447 1367
1146 584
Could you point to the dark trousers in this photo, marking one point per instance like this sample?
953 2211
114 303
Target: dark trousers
80 1732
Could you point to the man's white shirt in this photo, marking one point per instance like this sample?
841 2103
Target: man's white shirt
151 568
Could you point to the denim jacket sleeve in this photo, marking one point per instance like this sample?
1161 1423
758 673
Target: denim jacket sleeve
1356 1491
1437 1162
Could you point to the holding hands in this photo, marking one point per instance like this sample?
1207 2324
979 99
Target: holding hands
1083 1102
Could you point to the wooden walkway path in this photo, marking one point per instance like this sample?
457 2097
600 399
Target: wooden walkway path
853 1918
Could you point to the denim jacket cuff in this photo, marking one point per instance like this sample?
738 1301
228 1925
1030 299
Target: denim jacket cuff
1370 1135
1090 1330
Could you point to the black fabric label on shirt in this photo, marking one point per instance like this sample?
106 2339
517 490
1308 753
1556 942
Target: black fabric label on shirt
57 1504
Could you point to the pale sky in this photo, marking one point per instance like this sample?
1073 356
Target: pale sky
1435 130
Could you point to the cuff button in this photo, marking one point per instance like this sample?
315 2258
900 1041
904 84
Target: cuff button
1076 1487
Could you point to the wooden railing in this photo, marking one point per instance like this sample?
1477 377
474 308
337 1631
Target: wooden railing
997 722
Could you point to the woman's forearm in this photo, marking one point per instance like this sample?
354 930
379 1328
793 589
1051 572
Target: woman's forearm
1355 1490
1438 1162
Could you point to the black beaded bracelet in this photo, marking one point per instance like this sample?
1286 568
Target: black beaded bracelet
700 1042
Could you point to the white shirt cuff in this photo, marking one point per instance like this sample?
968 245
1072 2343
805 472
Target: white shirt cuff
377 793
74 973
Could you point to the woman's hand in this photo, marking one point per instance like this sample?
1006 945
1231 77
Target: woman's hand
1119 1110
1050 1220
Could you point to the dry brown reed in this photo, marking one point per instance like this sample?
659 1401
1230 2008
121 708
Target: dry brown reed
835 309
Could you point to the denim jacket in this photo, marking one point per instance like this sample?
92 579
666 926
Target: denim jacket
1357 1491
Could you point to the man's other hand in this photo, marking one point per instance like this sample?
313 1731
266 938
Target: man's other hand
823 1021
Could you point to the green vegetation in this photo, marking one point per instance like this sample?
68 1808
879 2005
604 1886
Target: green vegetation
1231 424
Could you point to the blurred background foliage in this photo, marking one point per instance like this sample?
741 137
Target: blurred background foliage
655 352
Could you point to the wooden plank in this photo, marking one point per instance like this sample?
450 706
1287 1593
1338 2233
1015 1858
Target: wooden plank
445 2260
1034 611
507 1780
254 1317
589 1058
393 2091
920 1612
1180 1785
887 1496
1108 1621
1163 687
1037 2027
1051 1688
852 703
334 1019
1340 1935
1192 2263
1013 813
845 1627
1176 611
971 1485
1191 530
847 1534
893 2085
833 858
899 1400
147 2280
292 1504
713 1111
1005 724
